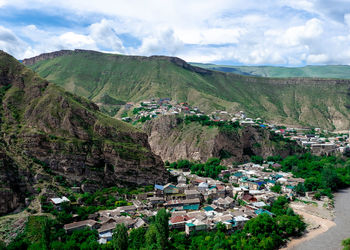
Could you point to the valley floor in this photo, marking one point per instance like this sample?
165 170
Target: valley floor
318 218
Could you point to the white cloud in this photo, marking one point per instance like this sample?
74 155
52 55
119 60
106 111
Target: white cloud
319 58
10 43
105 35
2 3
298 34
347 19
73 40
276 32
162 42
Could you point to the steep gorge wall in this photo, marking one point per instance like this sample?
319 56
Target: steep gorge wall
172 139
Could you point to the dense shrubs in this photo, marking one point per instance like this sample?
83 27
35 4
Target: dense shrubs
211 168
321 173
224 126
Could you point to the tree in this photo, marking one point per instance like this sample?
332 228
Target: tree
151 236
257 159
330 178
162 225
120 237
137 238
290 225
346 244
45 234
261 226
300 189
276 188
2 245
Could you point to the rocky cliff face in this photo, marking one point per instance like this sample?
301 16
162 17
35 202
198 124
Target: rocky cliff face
172 139
57 133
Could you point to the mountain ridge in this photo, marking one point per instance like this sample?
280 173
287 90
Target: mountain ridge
315 102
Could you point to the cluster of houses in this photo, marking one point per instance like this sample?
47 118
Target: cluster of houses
157 107
197 203
321 145
314 141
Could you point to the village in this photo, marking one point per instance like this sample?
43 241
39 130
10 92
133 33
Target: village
318 141
197 203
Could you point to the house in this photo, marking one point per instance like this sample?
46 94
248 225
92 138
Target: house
139 205
174 203
191 207
221 190
170 189
262 211
140 223
57 202
224 203
192 194
195 201
208 208
159 189
156 200
126 220
203 186
235 177
182 187
80 225
249 198
240 220
181 179
259 204
178 222
107 228
126 209
288 189
105 237
196 225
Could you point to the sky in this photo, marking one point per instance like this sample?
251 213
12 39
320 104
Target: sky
233 32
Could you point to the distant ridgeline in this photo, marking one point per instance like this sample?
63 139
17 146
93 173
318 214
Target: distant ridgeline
324 71
107 79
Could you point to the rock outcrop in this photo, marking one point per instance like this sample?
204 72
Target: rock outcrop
172 139
58 133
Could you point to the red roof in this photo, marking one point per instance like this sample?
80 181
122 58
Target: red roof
220 187
248 197
180 218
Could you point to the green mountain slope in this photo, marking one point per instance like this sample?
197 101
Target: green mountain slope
295 101
324 71
46 132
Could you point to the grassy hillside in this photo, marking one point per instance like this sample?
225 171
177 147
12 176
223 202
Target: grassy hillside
316 102
324 71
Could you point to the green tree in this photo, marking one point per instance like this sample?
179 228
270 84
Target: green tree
346 244
330 178
257 159
2 245
120 237
162 225
290 225
300 189
276 188
261 226
45 234
137 238
151 236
